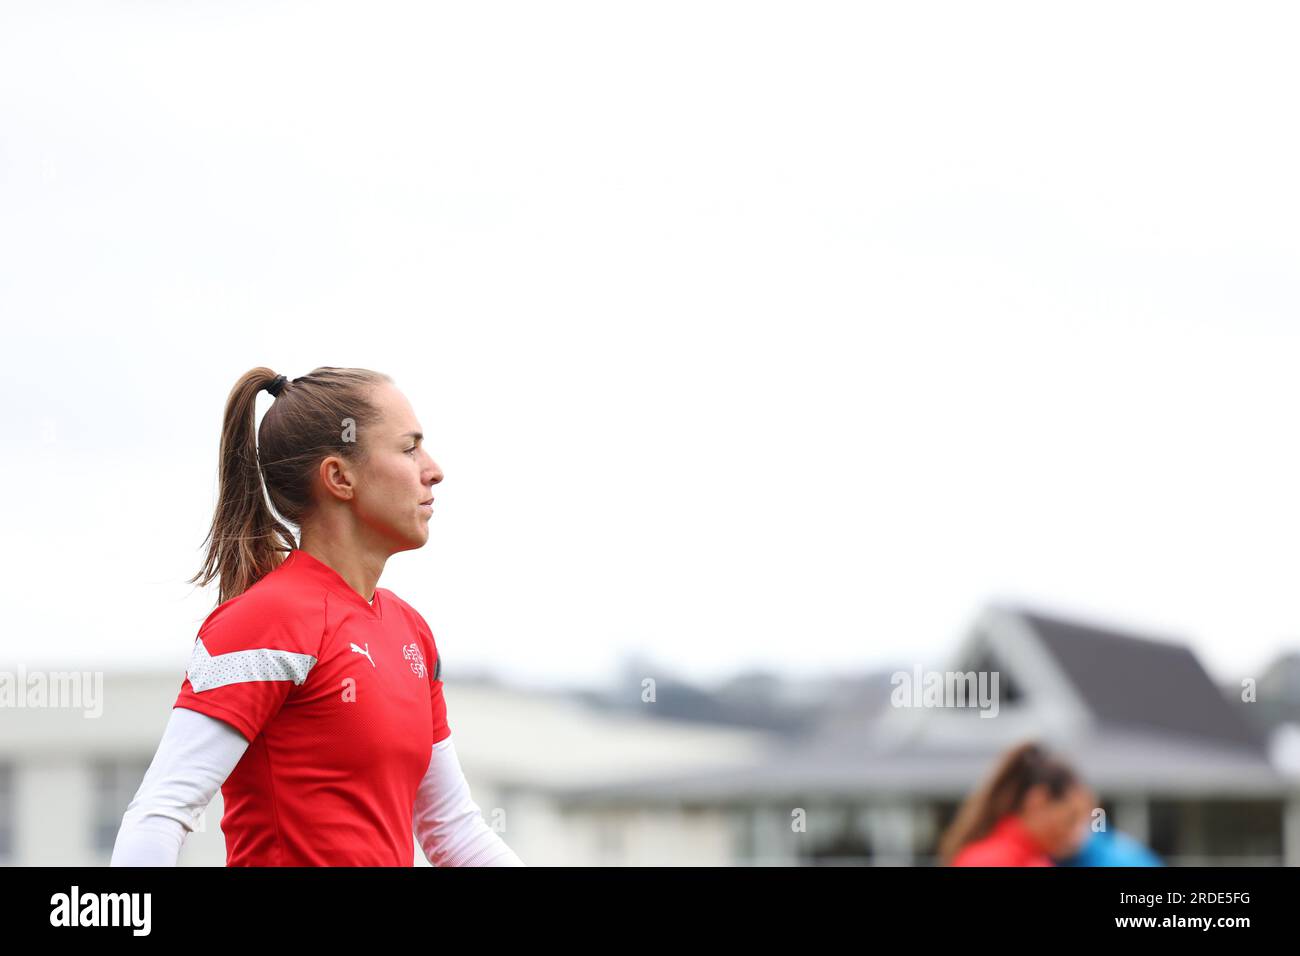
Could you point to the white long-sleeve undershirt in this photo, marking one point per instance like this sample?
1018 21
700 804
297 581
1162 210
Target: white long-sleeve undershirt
194 758
198 752
448 823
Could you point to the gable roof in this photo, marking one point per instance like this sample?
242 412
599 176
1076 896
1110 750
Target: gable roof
1132 681
1133 713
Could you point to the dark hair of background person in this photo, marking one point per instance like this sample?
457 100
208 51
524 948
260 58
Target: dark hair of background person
1021 768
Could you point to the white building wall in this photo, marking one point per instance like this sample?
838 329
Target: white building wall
515 747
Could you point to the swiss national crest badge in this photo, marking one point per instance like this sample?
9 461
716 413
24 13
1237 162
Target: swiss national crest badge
412 653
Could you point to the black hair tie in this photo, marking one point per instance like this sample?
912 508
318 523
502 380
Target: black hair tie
277 385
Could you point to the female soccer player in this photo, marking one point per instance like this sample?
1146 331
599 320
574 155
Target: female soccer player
313 699
1032 808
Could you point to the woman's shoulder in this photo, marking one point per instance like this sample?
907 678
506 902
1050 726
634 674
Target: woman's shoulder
407 619
403 608
999 848
988 851
273 605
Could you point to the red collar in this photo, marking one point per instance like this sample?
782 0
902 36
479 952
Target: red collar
307 563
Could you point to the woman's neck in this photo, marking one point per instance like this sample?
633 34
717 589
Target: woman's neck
360 570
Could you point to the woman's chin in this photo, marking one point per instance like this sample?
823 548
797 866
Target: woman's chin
411 539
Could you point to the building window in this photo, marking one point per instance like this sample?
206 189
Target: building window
1010 693
1217 832
7 813
115 785
842 843
934 820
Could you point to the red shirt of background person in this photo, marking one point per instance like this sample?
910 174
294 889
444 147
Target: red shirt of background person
1010 844
1032 808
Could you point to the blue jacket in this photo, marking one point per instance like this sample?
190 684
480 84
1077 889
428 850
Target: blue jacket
1106 848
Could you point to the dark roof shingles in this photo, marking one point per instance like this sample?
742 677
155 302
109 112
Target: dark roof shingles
1131 681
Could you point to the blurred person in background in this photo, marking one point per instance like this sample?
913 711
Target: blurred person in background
1032 808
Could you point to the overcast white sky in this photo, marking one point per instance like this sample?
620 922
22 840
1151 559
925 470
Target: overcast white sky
747 334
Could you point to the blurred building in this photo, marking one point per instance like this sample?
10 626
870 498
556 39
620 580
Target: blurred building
848 770
1176 764
66 778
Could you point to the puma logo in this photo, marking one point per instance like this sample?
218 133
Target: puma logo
366 652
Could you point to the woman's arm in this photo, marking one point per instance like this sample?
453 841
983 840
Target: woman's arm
448 823
194 758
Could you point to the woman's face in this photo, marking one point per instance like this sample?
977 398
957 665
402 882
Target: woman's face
1058 825
398 477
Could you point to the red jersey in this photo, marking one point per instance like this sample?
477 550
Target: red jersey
341 702
1008 844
